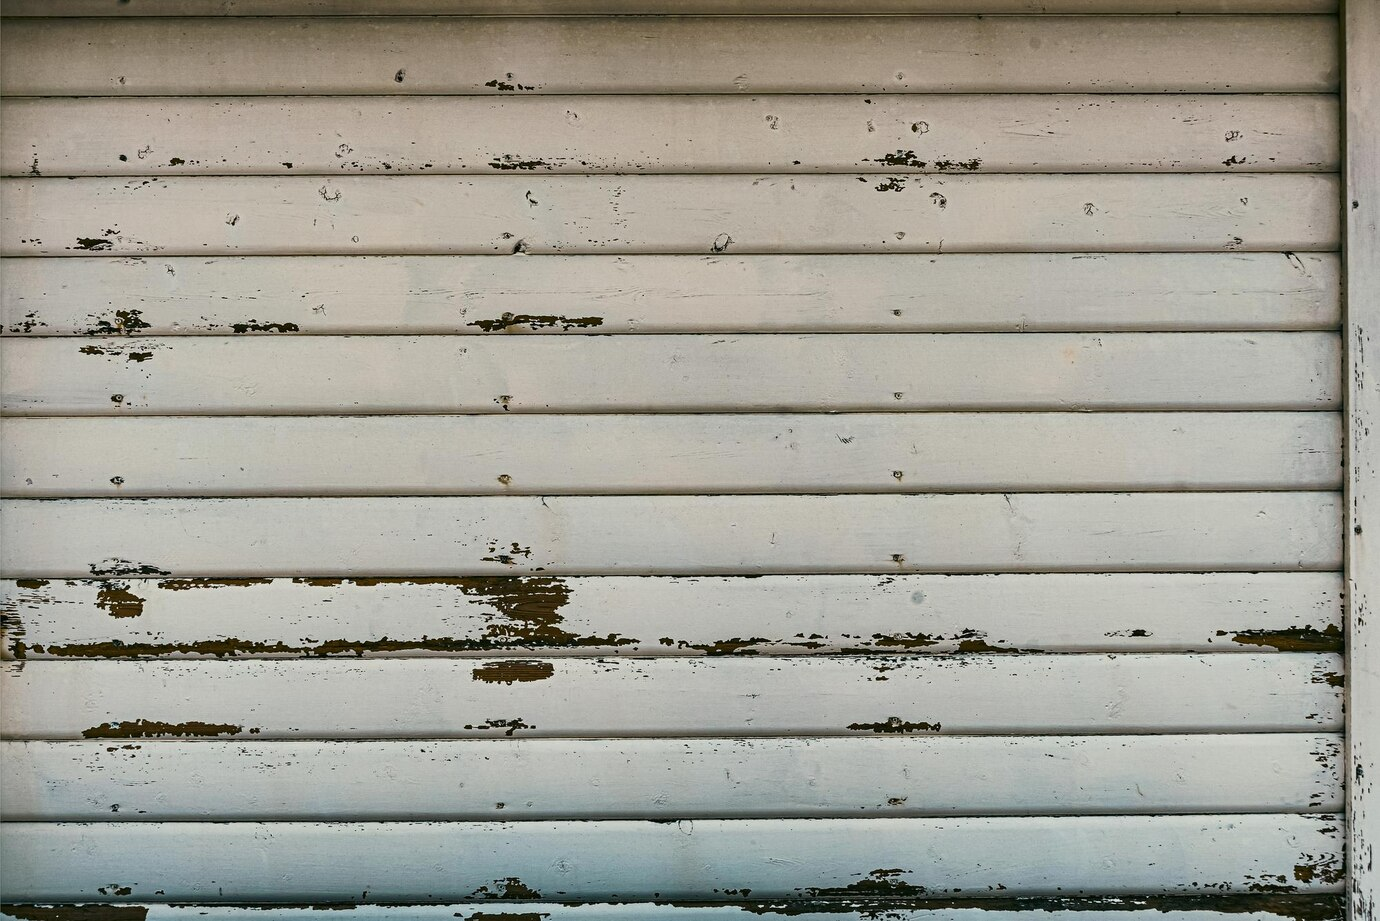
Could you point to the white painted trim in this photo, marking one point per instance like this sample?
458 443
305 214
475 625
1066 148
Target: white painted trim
1362 255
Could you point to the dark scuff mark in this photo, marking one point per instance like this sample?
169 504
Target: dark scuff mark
177 161
401 75
876 883
117 600
505 86
535 321
511 726
93 244
1292 639
508 557
510 888
939 200
114 566
152 729
902 158
76 912
892 184
138 356
513 162
1234 161
125 323
514 671
945 166
28 324
254 326
894 724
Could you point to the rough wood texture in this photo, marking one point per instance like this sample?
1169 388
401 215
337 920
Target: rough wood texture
513 779
673 535
666 616
311 375
666 454
1362 103
853 696
550 295
669 134
1092 855
626 7
682 54
511 215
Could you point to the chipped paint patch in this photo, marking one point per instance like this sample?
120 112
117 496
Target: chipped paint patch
894 724
513 671
117 600
537 321
509 888
1292 639
153 729
878 882
115 566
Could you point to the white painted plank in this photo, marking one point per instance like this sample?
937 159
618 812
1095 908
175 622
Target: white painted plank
311 375
1213 907
627 7
673 535
346 862
508 214
668 134
664 616
123 701
1007 292
1362 101
682 54
665 454
513 779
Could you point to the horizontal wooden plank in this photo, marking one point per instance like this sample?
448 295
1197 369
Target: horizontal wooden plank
1007 292
309 375
803 858
663 616
853 696
1205 907
627 134
511 779
665 454
682 54
510 214
672 535
632 7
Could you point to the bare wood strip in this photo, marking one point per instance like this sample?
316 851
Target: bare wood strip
666 454
477 295
633 7
312 375
627 134
510 215
683 54
858 697
144 617
664 778
670 535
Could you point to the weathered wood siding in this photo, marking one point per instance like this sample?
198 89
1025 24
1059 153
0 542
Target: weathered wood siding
876 464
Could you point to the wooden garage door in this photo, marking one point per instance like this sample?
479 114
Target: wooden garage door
785 464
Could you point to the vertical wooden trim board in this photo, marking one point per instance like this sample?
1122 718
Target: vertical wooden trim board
1362 254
